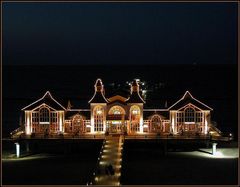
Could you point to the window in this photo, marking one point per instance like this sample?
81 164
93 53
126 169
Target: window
35 117
156 123
179 117
53 117
135 118
189 115
78 124
199 116
44 115
98 118
116 110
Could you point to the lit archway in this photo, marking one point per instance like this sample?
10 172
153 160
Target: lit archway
156 123
135 115
77 124
98 113
189 114
116 110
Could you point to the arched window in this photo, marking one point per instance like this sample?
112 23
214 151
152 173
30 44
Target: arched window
78 124
156 125
98 113
116 110
189 114
44 115
135 118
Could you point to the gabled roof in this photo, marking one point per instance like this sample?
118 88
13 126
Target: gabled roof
148 113
71 113
46 99
186 99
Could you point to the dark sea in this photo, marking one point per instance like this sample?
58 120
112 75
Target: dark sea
215 85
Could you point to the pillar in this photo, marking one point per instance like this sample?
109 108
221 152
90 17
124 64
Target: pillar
214 148
17 149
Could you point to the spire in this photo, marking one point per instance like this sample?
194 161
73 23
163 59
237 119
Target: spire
135 86
69 105
135 96
165 104
98 96
98 86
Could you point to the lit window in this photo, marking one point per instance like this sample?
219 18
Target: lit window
98 118
189 115
53 117
199 116
180 117
35 117
116 110
135 118
156 123
44 115
78 124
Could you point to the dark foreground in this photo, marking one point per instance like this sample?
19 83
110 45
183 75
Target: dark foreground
53 166
145 164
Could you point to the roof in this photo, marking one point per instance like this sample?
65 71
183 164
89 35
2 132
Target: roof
98 96
46 99
135 98
187 99
70 113
117 98
148 113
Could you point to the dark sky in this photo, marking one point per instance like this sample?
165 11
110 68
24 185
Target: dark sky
119 33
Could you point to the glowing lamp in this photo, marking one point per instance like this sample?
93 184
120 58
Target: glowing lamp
17 150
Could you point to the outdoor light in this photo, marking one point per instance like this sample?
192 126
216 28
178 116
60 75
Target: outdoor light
17 149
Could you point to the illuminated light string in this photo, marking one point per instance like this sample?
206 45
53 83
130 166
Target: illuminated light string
187 92
47 93
98 80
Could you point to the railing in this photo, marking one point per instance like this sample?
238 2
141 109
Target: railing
16 131
216 129
167 137
96 169
60 136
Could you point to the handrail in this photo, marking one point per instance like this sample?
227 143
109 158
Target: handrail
91 181
16 131
215 128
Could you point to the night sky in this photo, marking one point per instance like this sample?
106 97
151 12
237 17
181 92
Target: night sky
119 33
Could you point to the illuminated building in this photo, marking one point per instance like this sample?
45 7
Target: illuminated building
117 114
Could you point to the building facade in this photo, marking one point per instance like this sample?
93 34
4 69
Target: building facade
117 114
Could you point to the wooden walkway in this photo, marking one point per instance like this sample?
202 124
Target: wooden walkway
111 154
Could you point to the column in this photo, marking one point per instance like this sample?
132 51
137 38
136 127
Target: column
17 149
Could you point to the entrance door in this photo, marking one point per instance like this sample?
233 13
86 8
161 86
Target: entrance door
116 126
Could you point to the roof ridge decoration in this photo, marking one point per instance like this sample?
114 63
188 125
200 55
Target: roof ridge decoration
98 96
188 94
135 92
46 95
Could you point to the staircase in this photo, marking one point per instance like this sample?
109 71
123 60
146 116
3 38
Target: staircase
215 130
111 153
